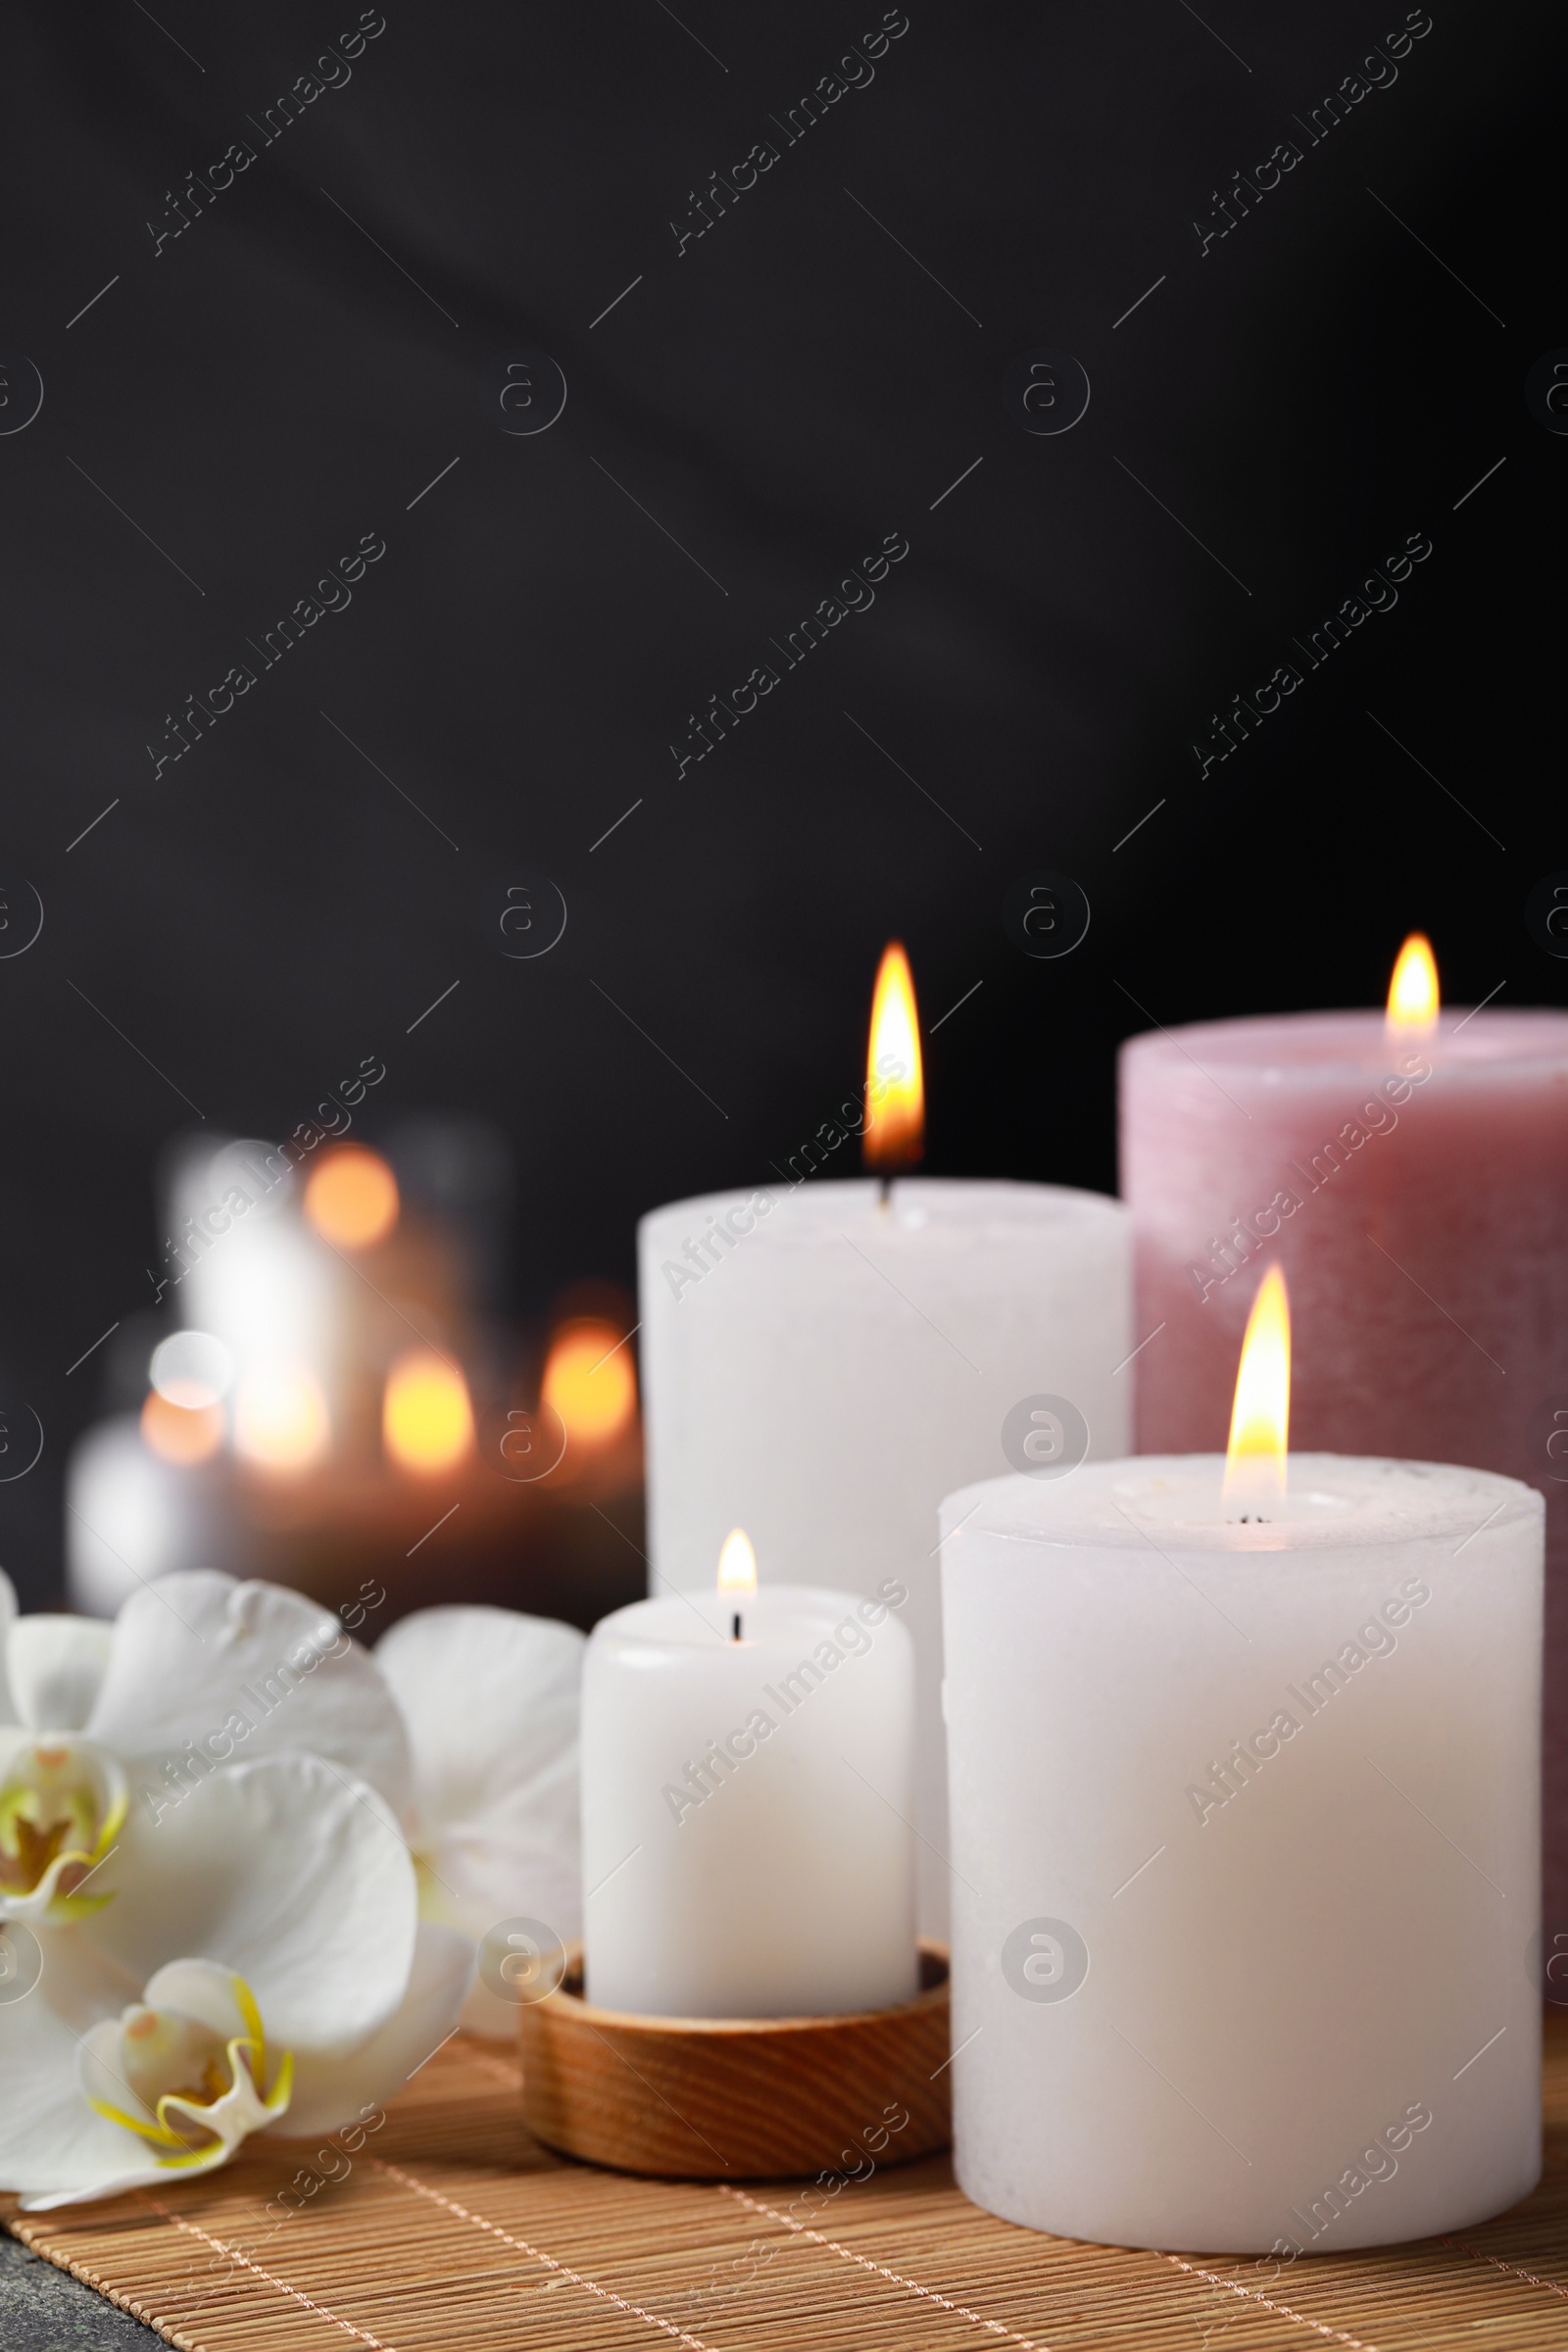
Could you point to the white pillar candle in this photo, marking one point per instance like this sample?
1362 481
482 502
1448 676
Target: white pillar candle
824 1368
1245 1832
255 1276
746 1805
131 1516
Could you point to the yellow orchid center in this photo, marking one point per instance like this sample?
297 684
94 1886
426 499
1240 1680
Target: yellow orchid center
192 2091
61 1805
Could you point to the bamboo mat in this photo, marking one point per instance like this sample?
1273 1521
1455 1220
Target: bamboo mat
450 2228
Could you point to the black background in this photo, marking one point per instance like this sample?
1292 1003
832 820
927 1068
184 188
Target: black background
271 384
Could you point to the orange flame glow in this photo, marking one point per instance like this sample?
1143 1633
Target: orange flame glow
281 1422
352 1197
737 1563
1413 989
181 1432
1261 1419
426 1419
895 1096
590 1382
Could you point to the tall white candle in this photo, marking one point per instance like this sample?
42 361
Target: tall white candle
746 1805
823 1368
253 1274
131 1516
1246 1838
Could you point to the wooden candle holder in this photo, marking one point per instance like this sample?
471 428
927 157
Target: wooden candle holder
737 2099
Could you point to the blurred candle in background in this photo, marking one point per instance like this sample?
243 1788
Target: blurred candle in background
241 1266
357 1414
1409 1170
823 1360
145 1495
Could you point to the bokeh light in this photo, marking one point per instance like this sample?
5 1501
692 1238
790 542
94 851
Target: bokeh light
178 1432
281 1422
352 1197
191 1368
426 1418
590 1382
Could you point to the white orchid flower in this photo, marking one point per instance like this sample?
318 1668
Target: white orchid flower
204 1931
303 1993
490 1698
103 1728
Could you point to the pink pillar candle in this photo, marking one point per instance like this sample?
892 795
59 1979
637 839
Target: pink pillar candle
1414 1189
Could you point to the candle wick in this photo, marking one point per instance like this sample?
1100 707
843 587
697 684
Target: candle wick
735 1627
884 1192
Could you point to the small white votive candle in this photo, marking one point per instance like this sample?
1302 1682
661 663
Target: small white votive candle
748 1776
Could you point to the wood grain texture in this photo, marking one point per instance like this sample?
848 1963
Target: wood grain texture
454 2231
723 2099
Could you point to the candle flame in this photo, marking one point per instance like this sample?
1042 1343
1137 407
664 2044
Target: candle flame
426 1419
895 1096
281 1418
352 1197
589 1381
737 1563
1260 1420
1413 989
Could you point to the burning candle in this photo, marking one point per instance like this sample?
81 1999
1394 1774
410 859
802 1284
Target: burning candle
824 1359
748 1760
590 1384
1244 1834
1410 1169
426 1418
281 1422
352 1197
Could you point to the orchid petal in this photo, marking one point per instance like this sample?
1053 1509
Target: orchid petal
174 2134
56 1666
201 1663
330 2093
473 1879
201 1989
476 1881
8 1616
491 1701
286 1870
50 2140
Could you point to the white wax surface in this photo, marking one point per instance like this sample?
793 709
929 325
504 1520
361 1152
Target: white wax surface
745 1806
1291 1949
842 1366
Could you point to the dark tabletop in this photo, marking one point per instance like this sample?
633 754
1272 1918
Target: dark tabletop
45 2310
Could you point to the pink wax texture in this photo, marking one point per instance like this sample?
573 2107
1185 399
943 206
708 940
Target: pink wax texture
1415 1191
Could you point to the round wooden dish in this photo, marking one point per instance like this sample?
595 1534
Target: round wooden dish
738 2099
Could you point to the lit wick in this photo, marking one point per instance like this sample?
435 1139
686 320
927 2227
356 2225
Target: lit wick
1414 994
892 1137
737 1574
1255 1462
